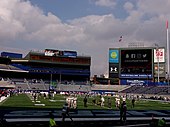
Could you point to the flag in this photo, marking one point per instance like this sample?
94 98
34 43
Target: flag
120 39
167 24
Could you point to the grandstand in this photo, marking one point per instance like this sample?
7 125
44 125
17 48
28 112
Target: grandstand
113 88
66 66
74 88
148 90
6 84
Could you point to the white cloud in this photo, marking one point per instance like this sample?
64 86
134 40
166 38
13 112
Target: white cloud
26 26
105 3
154 8
128 6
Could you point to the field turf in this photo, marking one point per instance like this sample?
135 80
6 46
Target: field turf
25 101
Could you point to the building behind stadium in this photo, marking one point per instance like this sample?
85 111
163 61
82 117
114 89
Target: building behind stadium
50 65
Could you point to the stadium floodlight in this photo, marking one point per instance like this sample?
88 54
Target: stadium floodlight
167 48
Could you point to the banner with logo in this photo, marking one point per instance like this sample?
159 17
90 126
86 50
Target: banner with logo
113 56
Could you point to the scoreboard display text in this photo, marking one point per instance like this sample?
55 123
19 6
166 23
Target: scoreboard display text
136 63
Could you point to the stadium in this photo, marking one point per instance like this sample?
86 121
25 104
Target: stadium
41 82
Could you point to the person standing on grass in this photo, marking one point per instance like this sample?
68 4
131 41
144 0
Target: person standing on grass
123 109
94 101
102 101
133 102
109 103
45 95
85 101
35 97
117 102
75 103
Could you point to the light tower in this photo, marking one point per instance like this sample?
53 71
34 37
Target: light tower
167 48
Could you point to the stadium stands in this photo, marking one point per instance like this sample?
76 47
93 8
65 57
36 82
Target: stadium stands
6 84
4 67
115 88
153 90
74 88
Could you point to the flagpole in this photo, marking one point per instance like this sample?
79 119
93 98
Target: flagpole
167 38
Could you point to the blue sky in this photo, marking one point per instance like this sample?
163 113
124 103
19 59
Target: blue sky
90 27
64 9
70 9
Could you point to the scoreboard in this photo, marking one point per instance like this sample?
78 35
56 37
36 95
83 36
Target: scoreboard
142 64
136 63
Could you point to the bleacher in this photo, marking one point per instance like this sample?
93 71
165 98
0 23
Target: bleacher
52 70
5 67
37 86
23 86
74 88
6 84
157 90
115 88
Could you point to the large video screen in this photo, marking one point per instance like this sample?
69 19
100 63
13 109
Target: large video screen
136 63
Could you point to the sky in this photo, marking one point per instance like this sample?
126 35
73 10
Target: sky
89 27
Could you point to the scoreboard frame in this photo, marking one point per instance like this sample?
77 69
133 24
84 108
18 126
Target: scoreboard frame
135 62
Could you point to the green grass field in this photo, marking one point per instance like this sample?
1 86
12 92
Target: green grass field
24 101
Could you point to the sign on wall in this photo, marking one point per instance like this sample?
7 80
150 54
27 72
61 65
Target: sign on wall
113 56
159 55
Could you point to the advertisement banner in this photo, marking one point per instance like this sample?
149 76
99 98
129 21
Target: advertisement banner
159 55
113 70
113 56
